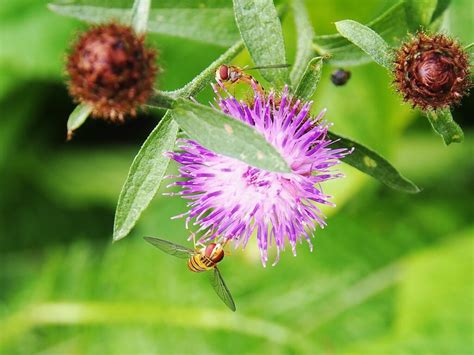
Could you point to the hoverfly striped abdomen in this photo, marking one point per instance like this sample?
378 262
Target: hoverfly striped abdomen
206 258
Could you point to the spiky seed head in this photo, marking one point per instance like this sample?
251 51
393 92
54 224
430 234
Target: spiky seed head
432 71
111 69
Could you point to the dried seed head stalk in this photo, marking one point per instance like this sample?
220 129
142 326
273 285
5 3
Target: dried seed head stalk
432 71
111 69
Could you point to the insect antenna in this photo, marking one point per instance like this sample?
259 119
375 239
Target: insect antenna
271 66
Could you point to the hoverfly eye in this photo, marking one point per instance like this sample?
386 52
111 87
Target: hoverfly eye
224 72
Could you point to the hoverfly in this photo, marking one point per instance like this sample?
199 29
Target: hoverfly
199 260
233 74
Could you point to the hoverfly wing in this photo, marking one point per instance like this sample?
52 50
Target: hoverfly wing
221 289
271 66
170 248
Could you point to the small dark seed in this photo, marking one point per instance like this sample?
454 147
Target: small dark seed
340 77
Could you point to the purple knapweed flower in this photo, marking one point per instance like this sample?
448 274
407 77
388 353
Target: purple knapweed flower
230 200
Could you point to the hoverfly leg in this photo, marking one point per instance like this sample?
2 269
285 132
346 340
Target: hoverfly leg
227 252
193 235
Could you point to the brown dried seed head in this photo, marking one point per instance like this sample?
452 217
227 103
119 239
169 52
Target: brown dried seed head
111 69
432 71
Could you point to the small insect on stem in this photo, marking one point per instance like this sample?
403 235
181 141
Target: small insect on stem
232 74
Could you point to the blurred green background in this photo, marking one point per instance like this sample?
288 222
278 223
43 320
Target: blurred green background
392 273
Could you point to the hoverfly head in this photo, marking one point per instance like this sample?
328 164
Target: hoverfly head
222 73
215 252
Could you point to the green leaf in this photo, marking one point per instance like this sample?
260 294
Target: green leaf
214 26
228 136
140 13
420 12
304 44
367 40
391 26
371 163
310 80
145 176
261 31
77 118
443 124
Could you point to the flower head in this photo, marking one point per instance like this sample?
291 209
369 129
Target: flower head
231 200
111 69
432 71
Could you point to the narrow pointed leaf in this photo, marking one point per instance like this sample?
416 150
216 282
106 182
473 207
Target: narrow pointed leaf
391 26
371 163
443 124
144 177
261 31
140 13
227 136
310 80
216 25
304 44
77 118
367 40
